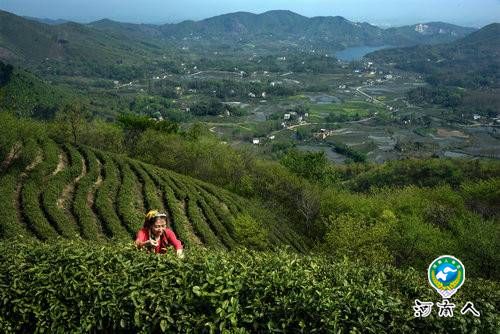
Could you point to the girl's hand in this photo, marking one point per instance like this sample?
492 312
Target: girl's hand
180 253
150 243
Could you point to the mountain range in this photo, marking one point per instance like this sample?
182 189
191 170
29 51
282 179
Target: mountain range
112 49
335 32
281 25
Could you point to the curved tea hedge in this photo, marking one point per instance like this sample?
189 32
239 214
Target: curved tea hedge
74 191
80 288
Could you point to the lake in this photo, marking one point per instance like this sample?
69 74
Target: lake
358 52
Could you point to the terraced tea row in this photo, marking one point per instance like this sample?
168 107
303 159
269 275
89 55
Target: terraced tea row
68 191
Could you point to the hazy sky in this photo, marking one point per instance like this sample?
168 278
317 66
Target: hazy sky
382 12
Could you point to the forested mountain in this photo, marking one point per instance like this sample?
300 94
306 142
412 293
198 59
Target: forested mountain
101 46
68 48
332 31
278 25
426 33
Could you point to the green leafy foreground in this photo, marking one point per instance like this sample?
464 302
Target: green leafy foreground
77 287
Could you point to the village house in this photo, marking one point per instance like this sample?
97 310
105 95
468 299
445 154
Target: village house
323 134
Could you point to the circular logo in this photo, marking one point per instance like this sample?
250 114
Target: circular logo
446 274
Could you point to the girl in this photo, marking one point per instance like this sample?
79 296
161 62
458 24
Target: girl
156 236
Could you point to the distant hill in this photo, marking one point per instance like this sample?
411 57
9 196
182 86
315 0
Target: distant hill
118 50
473 61
294 30
27 95
278 29
68 48
328 31
282 29
46 21
426 33
138 32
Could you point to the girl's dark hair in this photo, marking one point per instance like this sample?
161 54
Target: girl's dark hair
149 222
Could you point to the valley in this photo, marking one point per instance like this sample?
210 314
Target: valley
363 105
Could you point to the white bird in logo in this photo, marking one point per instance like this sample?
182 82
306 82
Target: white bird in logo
441 275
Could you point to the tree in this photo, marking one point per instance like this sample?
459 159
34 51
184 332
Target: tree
310 165
135 125
208 107
72 119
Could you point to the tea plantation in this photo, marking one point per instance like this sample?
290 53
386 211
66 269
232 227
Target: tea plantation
69 213
50 190
87 288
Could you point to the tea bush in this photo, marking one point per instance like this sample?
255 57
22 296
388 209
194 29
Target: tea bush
407 226
53 189
105 199
90 227
32 189
75 287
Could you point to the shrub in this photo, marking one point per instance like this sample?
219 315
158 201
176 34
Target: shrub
355 238
250 233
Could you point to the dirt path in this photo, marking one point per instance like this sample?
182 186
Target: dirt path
138 191
140 187
194 239
22 177
62 164
97 184
64 201
12 155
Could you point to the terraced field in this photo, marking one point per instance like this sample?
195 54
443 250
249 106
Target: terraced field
77 192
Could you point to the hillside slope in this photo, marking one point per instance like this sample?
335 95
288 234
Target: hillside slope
28 95
49 190
67 48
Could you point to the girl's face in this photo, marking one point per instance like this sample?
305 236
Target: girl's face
159 226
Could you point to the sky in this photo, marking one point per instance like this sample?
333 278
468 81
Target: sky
475 13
